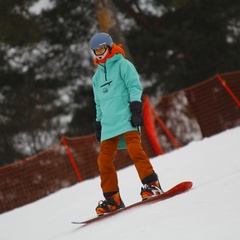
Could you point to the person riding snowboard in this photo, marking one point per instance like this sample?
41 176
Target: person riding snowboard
117 95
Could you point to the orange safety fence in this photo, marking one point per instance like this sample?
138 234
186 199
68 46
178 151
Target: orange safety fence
67 162
199 111
171 121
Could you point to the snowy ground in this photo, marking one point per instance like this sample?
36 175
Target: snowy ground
210 211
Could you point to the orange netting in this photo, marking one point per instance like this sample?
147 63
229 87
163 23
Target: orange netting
191 114
199 111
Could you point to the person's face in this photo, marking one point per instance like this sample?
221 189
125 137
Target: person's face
101 52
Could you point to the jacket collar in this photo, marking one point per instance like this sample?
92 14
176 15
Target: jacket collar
113 59
116 49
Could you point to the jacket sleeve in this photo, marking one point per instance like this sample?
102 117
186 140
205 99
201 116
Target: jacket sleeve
131 78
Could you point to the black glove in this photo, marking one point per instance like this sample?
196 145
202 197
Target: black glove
136 110
98 129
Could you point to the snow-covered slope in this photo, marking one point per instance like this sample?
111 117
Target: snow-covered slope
210 211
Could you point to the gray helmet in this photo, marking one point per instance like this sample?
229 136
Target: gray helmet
100 40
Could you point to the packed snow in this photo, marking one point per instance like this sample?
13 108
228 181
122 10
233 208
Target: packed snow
209 211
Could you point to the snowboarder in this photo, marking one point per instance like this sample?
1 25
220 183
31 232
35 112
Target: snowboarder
117 95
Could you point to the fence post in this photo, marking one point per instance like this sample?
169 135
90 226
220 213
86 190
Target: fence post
165 129
228 90
150 126
70 156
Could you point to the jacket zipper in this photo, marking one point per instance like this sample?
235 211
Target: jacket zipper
105 72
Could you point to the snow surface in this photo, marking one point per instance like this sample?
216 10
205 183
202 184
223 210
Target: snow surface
210 211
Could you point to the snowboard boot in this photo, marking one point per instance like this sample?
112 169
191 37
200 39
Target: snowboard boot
110 204
150 190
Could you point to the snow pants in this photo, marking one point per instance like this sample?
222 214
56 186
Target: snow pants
108 148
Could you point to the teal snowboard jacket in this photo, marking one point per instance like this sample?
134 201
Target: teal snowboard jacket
115 84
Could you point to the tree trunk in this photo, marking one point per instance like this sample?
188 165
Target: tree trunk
107 16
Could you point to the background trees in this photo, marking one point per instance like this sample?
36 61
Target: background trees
45 75
176 44
46 65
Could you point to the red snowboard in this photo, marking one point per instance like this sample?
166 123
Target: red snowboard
178 189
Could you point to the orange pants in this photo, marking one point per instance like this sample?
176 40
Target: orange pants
108 174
